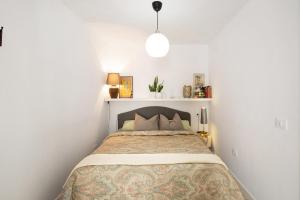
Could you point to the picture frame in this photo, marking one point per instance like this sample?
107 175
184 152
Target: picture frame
198 84
198 80
126 87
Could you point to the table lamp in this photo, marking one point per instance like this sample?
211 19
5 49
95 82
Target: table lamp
203 120
113 79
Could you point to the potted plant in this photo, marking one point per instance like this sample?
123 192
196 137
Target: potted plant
156 88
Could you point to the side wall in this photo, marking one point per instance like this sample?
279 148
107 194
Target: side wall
51 102
254 70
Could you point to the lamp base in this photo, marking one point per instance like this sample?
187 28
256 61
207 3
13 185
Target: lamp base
114 93
203 133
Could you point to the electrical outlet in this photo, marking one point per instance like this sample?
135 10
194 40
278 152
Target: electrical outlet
281 124
234 153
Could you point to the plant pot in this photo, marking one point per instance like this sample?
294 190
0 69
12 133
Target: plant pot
159 95
152 95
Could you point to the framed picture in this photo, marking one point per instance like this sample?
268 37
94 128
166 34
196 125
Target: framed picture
198 80
126 86
198 83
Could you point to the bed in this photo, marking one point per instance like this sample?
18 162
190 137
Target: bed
151 165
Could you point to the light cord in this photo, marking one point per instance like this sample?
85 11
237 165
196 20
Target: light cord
157 23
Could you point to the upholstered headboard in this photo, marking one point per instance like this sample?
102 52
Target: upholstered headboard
150 111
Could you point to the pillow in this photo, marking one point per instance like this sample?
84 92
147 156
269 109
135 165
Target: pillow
166 124
186 125
142 124
128 125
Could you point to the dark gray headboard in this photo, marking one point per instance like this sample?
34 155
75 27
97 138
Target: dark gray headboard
150 111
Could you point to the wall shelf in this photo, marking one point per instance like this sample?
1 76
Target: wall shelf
158 100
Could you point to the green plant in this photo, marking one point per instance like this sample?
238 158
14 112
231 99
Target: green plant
156 87
160 87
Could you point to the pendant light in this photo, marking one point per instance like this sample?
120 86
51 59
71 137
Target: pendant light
157 45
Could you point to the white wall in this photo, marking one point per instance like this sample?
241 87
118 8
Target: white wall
254 71
122 49
51 100
176 69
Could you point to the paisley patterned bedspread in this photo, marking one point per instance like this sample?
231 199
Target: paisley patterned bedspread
152 182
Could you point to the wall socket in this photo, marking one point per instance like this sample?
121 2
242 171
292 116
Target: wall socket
281 123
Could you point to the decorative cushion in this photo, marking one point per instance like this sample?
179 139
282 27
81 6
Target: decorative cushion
128 125
174 124
186 125
142 124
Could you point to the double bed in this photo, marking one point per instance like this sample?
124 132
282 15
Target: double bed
151 165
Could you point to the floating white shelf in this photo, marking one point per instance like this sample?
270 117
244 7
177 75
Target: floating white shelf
160 100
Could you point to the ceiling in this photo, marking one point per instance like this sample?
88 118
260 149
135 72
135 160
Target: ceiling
182 21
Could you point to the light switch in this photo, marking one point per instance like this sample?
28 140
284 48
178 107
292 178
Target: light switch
284 124
276 122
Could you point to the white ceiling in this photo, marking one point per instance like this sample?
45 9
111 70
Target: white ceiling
182 21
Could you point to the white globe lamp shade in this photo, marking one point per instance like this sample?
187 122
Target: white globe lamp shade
157 45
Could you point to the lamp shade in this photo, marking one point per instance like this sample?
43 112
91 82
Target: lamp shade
113 79
203 119
157 45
